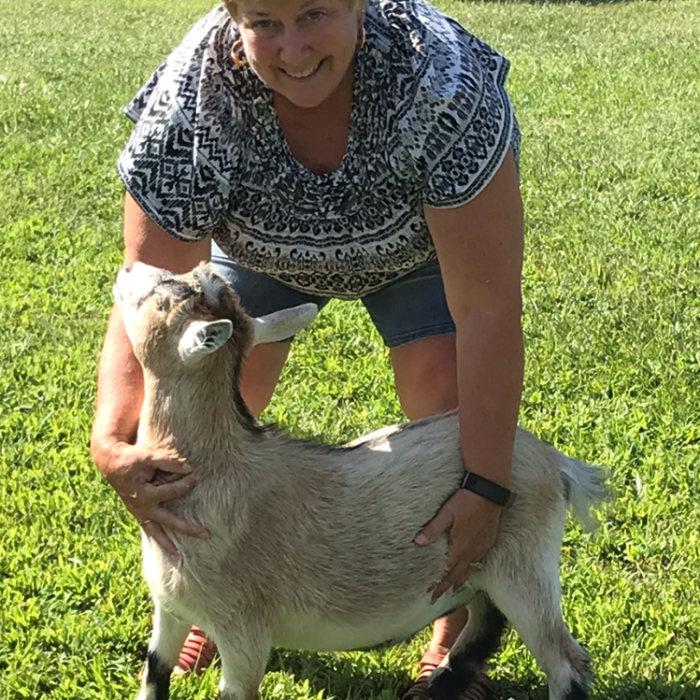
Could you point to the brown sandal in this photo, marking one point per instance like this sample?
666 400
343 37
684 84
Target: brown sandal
480 688
196 655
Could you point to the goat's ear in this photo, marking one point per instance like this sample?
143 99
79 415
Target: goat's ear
281 325
203 337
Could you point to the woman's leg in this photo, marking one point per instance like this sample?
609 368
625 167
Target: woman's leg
413 318
260 374
425 372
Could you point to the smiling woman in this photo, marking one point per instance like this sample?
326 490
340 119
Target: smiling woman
318 149
304 52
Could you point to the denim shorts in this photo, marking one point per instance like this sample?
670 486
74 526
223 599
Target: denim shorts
411 308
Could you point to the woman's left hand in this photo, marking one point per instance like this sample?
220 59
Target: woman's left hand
471 524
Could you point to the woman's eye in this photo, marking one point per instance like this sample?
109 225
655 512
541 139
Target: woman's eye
316 15
262 24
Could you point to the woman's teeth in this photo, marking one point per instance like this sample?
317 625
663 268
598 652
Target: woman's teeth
303 74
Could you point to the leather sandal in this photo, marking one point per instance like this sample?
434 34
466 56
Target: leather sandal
480 688
196 655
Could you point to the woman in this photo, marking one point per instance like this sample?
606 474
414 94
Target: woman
333 149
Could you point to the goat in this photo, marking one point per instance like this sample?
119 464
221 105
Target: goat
311 546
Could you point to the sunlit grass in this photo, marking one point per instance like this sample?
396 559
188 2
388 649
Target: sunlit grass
607 96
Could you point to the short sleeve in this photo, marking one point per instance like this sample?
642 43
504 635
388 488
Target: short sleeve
175 162
472 126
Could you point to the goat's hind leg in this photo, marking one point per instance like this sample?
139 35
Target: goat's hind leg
476 643
167 639
530 598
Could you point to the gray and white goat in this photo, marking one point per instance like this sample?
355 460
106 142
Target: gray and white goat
312 546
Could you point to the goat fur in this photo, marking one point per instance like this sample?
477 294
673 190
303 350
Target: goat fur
311 545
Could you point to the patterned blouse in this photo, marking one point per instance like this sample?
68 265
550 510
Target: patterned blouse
431 123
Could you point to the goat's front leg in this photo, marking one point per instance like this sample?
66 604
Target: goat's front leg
244 655
169 633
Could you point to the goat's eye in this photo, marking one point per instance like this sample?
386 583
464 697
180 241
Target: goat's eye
163 304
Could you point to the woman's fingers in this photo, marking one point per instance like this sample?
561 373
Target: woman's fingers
155 531
177 523
145 479
160 519
470 523
453 579
146 508
156 493
173 465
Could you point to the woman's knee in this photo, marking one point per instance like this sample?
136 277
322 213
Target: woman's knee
261 371
425 373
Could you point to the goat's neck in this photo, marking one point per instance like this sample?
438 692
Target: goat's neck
194 415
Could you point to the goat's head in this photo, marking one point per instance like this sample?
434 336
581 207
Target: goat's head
180 319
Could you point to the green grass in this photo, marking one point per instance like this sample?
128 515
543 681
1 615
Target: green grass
607 97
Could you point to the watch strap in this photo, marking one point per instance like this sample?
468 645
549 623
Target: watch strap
488 489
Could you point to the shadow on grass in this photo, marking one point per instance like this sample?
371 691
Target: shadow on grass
346 678
625 688
342 676
555 2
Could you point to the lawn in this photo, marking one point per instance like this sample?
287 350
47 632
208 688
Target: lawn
607 96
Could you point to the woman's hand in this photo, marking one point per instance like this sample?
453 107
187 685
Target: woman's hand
471 524
145 479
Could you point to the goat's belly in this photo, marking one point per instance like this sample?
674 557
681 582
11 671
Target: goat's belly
316 632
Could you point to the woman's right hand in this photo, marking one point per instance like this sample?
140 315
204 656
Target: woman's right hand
144 480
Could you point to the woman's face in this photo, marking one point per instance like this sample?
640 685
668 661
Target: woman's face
301 49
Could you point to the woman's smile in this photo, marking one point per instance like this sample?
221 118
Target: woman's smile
303 74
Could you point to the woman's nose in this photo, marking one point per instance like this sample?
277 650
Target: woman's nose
293 47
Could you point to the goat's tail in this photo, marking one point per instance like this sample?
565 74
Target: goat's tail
585 487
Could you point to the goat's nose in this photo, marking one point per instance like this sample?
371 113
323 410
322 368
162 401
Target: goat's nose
129 267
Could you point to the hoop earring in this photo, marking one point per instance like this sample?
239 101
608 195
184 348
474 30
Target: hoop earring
361 36
238 54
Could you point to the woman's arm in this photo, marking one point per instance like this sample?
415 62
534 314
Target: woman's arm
480 249
131 470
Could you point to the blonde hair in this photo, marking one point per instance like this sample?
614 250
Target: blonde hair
232 6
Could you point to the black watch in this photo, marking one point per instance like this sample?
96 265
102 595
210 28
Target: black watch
488 489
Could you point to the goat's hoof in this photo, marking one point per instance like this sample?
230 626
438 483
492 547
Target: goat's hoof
444 684
447 684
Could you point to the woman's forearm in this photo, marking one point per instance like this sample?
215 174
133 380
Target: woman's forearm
490 361
119 391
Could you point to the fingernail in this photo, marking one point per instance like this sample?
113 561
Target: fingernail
420 538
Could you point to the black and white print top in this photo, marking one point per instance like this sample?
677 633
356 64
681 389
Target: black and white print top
431 123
